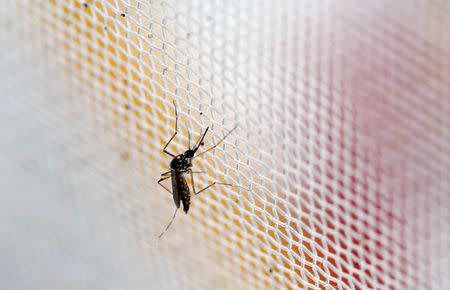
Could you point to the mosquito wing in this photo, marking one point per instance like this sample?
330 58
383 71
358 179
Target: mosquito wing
175 188
180 190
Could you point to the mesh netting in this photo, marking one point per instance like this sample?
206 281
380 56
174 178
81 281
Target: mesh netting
343 138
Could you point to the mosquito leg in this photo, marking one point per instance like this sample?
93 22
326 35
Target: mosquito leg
189 139
192 178
220 183
170 140
169 224
162 185
174 134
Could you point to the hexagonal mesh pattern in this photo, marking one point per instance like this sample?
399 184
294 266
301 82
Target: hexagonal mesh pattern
343 139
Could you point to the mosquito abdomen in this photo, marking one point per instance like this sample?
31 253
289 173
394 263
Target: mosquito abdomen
180 190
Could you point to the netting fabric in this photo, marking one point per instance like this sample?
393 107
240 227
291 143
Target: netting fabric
343 140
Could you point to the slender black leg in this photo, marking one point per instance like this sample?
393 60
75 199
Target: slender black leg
219 183
174 134
162 185
192 178
189 139
169 224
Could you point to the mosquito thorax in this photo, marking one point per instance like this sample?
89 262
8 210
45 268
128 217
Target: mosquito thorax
181 162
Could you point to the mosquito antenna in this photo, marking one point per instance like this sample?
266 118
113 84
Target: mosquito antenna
169 224
217 144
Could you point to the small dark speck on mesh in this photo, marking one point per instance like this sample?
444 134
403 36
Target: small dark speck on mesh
125 156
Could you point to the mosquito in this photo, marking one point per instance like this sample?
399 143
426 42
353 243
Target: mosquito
181 165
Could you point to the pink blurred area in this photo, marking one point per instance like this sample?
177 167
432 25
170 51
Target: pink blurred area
378 74
393 71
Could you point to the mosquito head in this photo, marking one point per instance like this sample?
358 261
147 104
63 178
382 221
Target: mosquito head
189 153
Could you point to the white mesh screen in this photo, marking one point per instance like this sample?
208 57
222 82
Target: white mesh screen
343 113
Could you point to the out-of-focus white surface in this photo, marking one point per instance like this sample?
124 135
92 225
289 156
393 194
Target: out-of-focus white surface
55 232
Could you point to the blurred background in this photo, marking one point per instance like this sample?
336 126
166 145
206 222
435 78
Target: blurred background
343 138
